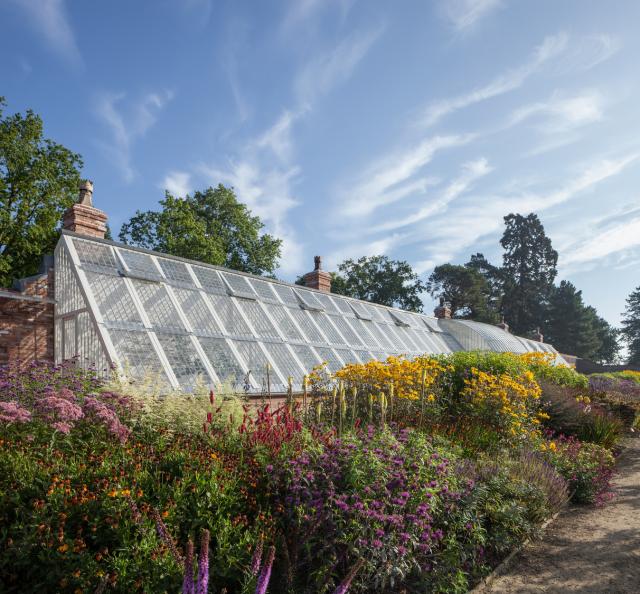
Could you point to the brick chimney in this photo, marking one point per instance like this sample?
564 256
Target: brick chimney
503 325
82 217
537 335
318 279
443 311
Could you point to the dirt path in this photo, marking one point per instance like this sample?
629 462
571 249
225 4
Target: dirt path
586 550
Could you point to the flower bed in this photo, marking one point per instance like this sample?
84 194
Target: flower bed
415 475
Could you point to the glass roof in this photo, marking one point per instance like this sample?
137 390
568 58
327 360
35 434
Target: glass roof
191 322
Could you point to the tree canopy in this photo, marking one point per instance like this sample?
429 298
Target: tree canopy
39 180
380 280
529 269
631 326
465 289
210 226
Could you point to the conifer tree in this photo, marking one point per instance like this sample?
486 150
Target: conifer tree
631 326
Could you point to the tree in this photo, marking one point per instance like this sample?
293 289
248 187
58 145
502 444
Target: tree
210 226
379 280
609 347
576 329
39 180
466 290
631 326
529 269
494 278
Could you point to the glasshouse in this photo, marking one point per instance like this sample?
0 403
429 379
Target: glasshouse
139 311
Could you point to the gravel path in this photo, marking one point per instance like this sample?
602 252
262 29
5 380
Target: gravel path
587 550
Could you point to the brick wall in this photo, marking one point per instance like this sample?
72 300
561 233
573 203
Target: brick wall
26 321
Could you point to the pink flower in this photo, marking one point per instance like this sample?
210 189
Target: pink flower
12 412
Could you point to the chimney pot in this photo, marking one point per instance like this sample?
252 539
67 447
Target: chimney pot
318 279
503 325
83 217
443 311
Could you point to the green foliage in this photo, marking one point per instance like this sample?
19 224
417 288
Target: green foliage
465 289
39 180
210 226
380 280
631 327
575 328
529 268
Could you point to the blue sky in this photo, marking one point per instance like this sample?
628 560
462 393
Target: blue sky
351 128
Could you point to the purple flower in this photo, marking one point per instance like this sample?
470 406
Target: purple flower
265 574
256 559
12 412
202 586
345 584
187 583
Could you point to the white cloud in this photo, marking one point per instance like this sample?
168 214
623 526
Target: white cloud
127 122
323 73
178 183
471 172
303 11
588 52
551 47
465 14
278 138
49 19
380 183
563 113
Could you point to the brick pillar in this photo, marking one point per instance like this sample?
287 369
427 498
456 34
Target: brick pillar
537 335
503 325
83 217
443 311
318 279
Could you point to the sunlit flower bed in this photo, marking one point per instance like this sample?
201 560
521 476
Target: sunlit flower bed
406 475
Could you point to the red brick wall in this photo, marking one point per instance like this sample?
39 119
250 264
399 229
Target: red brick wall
26 326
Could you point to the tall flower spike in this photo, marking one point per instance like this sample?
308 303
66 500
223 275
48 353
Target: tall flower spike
257 558
202 586
265 574
187 583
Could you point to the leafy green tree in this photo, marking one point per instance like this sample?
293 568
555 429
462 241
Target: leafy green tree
608 344
631 326
466 290
494 278
210 226
529 269
39 180
380 280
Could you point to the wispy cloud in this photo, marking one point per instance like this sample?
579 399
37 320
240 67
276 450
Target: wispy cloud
178 183
302 11
465 14
588 52
326 71
482 215
551 47
471 172
380 184
562 113
127 122
49 19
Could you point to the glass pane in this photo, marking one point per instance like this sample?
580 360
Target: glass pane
330 358
113 298
97 254
210 280
158 305
258 319
230 316
195 309
263 289
284 322
286 294
431 324
379 331
347 356
69 329
285 362
256 361
377 313
136 353
343 305
238 283
364 356
306 355
408 344
327 302
309 298
327 328
418 337
304 321
184 359
346 330
223 361
175 270
362 310
365 336
140 263
391 332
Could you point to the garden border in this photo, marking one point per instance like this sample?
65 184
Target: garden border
508 560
